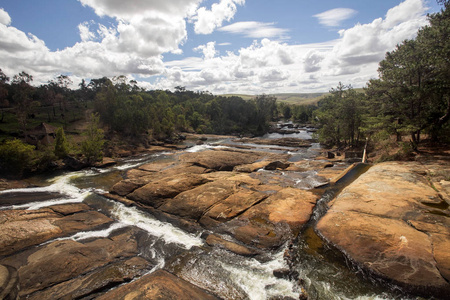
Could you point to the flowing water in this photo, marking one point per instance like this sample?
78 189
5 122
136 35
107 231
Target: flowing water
325 274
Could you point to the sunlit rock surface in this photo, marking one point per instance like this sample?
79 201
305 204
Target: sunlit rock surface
394 221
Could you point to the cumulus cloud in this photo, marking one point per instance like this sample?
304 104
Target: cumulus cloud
256 30
208 50
5 19
85 33
368 43
145 30
206 21
334 17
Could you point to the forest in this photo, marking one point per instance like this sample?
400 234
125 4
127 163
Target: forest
410 101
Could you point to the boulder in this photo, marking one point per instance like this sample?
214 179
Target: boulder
156 192
214 240
272 222
24 228
60 261
158 285
194 203
9 283
102 278
220 160
391 222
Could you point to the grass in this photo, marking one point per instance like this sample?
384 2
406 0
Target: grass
289 98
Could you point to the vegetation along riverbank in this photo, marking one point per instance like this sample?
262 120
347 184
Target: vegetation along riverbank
112 191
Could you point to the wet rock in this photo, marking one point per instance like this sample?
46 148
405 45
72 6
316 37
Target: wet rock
284 142
106 162
158 285
60 261
214 240
96 281
387 222
286 274
156 192
220 160
277 165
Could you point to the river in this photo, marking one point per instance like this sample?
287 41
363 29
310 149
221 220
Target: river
324 272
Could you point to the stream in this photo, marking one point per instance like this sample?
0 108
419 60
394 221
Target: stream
324 272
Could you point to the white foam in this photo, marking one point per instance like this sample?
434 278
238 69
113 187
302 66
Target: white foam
255 277
165 231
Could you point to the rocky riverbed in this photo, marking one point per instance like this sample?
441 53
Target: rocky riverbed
217 224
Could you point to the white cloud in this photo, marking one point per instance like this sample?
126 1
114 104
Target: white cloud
85 33
334 17
208 50
206 21
5 19
256 30
136 43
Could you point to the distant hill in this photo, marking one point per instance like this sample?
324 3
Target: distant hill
290 98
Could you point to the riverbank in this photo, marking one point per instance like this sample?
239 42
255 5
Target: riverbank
217 220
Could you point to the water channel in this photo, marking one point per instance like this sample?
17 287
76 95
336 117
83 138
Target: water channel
324 272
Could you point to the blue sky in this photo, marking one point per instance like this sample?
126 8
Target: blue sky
222 46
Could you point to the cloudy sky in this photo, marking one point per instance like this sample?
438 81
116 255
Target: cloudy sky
220 46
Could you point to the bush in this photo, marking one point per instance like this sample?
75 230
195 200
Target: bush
61 144
16 157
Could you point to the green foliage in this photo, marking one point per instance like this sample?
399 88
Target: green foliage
412 95
16 157
92 146
61 145
340 117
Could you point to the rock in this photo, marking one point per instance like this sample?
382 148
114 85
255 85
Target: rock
214 240
277 165
194 203
81 222
249 168
220 160
156 192
286 274
63 260
330 155
24 228
158 285
74 163
384 221
106 162
69 209
9 283
102 278
272 222
232 206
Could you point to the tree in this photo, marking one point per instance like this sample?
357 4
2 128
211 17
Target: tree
92 146
340 117
412 95
61 144
22 97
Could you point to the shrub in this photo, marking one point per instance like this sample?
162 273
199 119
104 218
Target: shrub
16 157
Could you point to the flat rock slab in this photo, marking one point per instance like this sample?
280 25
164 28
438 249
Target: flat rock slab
156 192
393 222
158 285
109 276
221 160
25 228
60 261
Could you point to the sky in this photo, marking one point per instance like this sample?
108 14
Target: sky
220 46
